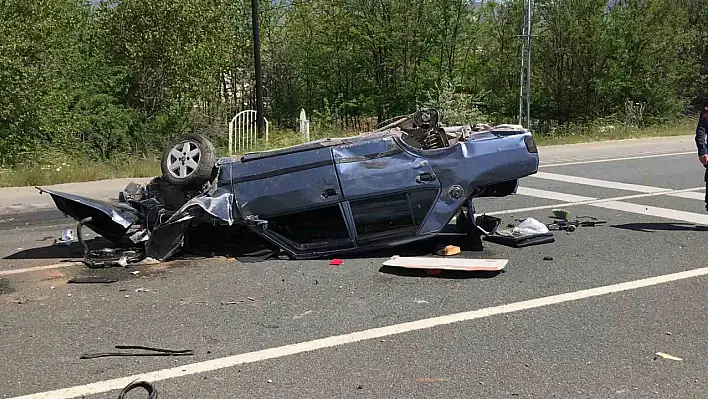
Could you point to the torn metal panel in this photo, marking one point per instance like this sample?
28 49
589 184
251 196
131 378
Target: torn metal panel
167 238
109 220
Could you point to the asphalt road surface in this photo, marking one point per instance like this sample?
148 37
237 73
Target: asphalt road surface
586 324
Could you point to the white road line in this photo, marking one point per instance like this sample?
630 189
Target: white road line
38 268
618 185
597 183
533 192
338 340
690 195
665 213
616 159
615 204
586 200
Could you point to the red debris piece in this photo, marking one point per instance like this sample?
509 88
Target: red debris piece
336 262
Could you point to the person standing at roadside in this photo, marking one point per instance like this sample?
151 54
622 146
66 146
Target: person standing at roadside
702 145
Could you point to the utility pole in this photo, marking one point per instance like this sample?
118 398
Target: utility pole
525 86
259 75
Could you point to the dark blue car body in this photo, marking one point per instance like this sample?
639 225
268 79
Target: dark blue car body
331 196
375 190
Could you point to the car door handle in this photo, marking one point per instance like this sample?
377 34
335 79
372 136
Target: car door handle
425 177
330 192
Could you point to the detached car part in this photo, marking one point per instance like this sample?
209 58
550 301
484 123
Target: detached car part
398 184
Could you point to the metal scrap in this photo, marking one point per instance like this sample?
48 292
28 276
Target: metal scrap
155 352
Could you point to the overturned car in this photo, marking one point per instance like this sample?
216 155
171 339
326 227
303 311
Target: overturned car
398 184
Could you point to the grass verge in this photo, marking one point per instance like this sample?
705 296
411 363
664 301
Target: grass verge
59 168
77 170
590 134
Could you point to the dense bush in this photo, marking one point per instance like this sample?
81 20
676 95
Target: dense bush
123 76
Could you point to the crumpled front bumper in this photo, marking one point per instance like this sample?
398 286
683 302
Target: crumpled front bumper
135 223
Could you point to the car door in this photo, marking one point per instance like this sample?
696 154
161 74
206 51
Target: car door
388 192
298 194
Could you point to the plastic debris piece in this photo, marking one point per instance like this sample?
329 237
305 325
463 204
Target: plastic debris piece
135 273
667 356
561 214
449 250
530 226
67 237
447 264
547 258
336 262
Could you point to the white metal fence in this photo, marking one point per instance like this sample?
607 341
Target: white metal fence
243 131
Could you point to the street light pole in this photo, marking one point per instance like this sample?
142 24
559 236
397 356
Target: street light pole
259 75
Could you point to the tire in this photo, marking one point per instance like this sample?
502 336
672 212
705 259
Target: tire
188 161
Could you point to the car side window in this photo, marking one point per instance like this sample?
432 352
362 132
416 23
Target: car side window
391 214
316 227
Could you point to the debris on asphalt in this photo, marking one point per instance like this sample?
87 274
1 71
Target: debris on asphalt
156 352
667 356
135 273
147 261
109 257
421 301
530 226
67 237
237 302
336 262
431 380
300 316
270 381
668 333
563 222
459 264
561 214
141 289
448 250
547 258
151 391
92 280
529 232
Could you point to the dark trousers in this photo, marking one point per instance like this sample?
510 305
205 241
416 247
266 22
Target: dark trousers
705 178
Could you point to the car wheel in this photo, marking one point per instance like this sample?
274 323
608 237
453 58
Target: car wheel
188 161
